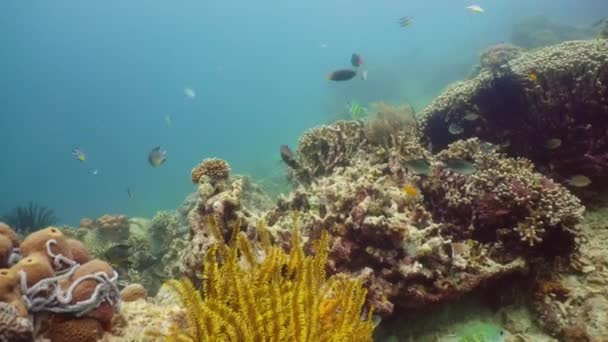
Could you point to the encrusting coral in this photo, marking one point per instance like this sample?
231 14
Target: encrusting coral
213 168
273 296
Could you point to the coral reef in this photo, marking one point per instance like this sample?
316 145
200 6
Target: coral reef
571 300
13 327
438 241
539 31
494 57
278 296
549 106
226 201
27 219
213 168
108 228
51 286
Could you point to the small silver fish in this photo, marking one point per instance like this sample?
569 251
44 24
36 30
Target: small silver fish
553 144
156 157
168 120
129 192
460 166
471 116
579 181
455 129
364 75
95 172
189 92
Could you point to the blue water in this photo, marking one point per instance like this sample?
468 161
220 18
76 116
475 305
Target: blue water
102 75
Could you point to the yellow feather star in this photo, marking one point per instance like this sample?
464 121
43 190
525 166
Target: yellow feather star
280 297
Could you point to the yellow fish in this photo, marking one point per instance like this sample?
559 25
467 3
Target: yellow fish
410 190
533 77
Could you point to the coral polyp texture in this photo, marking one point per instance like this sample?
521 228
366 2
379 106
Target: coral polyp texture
548 105
51 282
213 168
259 292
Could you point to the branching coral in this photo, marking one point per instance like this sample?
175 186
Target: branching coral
283 297
550 108
388 123
504 194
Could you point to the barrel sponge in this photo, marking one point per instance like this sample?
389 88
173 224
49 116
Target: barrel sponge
76 330
79 251
36 242
133 292
9 290
85 289
36 266
6 249
8 232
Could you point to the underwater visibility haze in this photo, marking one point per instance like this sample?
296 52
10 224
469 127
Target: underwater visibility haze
386 167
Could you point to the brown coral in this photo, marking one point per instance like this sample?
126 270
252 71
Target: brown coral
6 249
214 168
75 330
133 292
9 291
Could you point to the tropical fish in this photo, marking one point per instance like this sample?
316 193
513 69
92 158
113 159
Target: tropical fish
410 190
168 120
533 77
189 92
342 75
95 172
471 116
460 166
288 156
579 181
553 143
455 129
118 254
356 60
480 332
129 193
405 21
356 110
459 248
156 157
475 9
418 166
79 154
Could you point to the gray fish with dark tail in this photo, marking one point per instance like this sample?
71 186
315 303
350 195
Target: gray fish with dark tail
288 157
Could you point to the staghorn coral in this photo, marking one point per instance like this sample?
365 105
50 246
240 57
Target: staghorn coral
557 93
283 297
213 168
